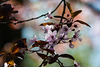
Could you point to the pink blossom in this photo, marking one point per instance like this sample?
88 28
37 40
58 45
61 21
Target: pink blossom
48 27
49 16
64 30
76 64
51 38
33 40
63 38
76 36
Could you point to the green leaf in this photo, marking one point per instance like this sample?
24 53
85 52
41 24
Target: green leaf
74 14
69 7
82 22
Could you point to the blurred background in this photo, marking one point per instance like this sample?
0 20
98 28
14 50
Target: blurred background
87 52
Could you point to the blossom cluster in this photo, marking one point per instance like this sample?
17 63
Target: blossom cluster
55 33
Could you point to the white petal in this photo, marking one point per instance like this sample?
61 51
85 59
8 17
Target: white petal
51 26
31 41
5 64
76 63
20 58
66 37
14 65
77 33
74 39
55 32
47 36
49 12
61 31
47 18
61 34
80 39
63 41
46 26
35 37
69 30
50 32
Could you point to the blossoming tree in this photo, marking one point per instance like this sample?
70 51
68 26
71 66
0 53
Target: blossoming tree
55 33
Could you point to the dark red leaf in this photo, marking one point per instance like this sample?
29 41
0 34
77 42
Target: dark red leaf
21 43
14 11
82 22
60 17
50 51
69 7
40 42
5 12
47 23
45 63
43 56
18 45
74 14
67 56
19 55
52 59
14 49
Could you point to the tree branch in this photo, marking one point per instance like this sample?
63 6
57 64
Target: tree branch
43 60
40 15
64 8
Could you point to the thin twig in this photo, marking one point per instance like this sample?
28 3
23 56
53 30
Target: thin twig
60 63
57 7
43 60
64 8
